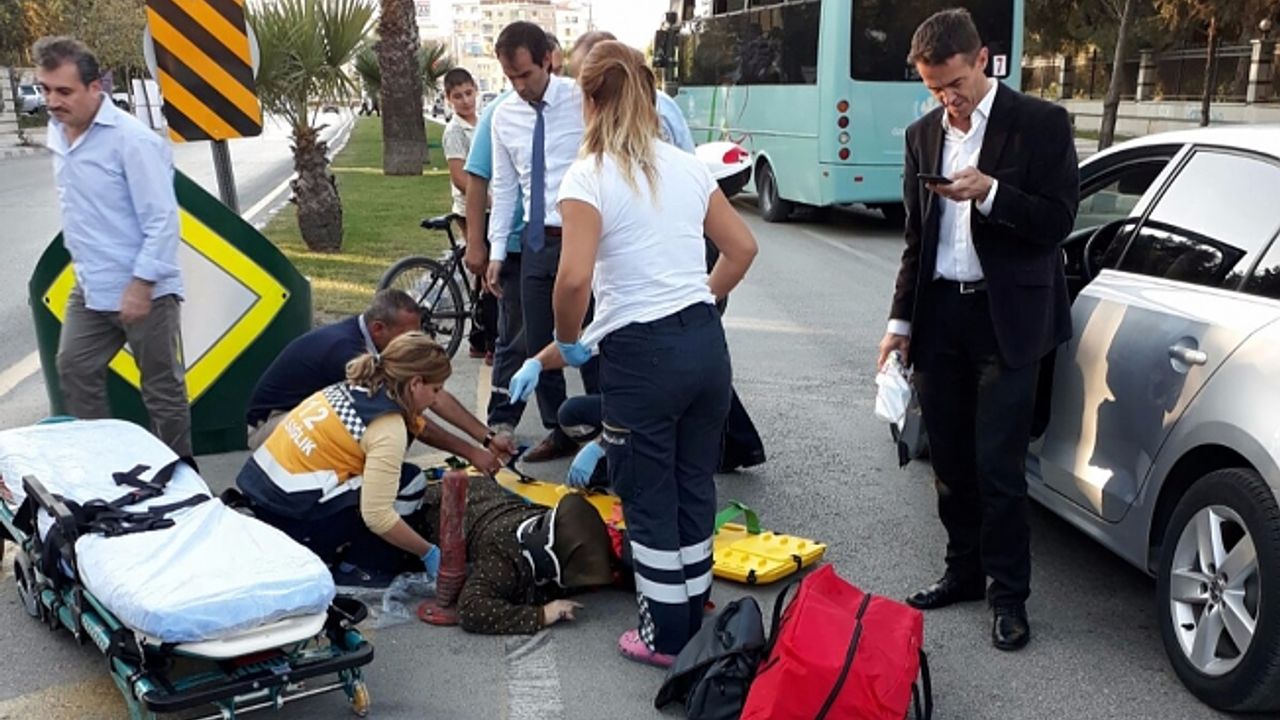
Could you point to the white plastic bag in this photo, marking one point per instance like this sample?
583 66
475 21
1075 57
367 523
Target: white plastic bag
397 603
894 393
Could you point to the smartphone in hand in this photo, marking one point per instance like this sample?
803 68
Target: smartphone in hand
934 179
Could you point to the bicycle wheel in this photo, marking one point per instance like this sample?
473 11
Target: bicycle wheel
444 314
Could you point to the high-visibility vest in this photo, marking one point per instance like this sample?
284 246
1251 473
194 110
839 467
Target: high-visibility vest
312 463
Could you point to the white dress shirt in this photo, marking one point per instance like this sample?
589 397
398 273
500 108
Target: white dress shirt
957 258
513 123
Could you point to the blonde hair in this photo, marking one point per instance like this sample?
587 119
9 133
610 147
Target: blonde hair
406 357
624 124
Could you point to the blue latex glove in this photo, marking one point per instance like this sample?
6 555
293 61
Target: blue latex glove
525 380
584 463
575 353
431 562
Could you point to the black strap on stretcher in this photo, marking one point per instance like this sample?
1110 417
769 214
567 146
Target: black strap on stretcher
110 519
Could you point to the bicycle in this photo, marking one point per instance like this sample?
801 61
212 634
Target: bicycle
437 287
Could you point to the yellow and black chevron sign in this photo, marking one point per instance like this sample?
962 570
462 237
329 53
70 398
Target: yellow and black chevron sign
205 69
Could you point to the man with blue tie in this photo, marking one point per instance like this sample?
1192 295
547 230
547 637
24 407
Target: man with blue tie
535 140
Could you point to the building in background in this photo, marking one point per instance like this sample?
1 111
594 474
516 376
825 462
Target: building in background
476 24
432 22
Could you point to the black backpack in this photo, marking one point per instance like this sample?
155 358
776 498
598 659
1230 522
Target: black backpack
714 671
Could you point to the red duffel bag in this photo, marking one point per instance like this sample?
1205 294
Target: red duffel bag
841 654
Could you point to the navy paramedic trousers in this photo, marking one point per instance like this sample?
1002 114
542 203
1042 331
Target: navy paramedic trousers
666 394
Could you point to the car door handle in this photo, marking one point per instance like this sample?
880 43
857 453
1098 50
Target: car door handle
1188 356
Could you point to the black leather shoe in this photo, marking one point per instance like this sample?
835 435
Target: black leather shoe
947 591
554 446
1010 630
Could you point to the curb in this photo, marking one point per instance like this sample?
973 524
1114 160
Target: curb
13 153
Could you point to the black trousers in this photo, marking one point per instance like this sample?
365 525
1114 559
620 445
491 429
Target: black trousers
510 351
537 281
978 413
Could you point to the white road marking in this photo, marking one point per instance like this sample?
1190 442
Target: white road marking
19 371
863 255
776 326
533 679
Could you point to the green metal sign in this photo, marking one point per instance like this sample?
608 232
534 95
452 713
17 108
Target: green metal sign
244 302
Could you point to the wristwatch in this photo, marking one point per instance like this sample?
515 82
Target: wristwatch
488 439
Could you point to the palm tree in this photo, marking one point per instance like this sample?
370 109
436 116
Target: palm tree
305 46
433 63
404 133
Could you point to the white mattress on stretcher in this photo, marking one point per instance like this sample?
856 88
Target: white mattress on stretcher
214 575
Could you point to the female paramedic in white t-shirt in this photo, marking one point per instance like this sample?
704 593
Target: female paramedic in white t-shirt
635 211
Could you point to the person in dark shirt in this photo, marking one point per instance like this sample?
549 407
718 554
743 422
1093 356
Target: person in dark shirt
319 359
524 560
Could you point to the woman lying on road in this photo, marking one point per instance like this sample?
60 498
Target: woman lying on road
332 474
524 559
635 211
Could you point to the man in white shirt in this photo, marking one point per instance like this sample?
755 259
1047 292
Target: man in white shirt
980 299
535 139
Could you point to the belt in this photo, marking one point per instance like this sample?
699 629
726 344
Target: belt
963 287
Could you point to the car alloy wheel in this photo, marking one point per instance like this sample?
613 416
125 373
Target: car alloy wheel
1217 603
1215 594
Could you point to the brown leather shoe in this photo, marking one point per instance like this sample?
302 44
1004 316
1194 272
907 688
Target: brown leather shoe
554 446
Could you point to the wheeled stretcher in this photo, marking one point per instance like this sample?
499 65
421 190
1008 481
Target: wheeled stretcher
193 603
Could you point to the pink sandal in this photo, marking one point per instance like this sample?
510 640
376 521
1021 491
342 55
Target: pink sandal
633 648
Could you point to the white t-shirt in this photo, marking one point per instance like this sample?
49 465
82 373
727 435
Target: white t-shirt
652 260
457 143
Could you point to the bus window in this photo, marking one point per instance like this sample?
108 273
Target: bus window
882 32
774 45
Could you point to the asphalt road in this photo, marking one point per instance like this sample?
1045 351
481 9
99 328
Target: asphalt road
802 330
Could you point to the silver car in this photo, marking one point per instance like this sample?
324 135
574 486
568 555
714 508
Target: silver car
1163 429
32 100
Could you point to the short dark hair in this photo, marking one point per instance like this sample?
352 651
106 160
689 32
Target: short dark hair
457 77
523 34
943 35
553 41
387 304
590 39
52 52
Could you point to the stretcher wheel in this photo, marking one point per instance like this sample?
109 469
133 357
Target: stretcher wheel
26 580
360 699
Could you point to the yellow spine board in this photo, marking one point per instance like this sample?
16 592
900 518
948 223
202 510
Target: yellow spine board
739 556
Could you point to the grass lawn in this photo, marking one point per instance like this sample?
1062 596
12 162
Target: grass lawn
380 218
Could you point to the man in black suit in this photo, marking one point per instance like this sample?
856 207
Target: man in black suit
980 299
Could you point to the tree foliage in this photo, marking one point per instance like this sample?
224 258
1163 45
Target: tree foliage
1055 26
112 28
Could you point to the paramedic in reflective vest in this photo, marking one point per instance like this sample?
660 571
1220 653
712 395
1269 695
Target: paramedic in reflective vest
635 211
332 475
318 359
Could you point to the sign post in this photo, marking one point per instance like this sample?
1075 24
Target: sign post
226 175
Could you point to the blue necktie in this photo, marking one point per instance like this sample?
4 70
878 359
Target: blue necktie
535 234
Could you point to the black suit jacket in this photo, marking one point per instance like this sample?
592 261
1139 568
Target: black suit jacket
1029 148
